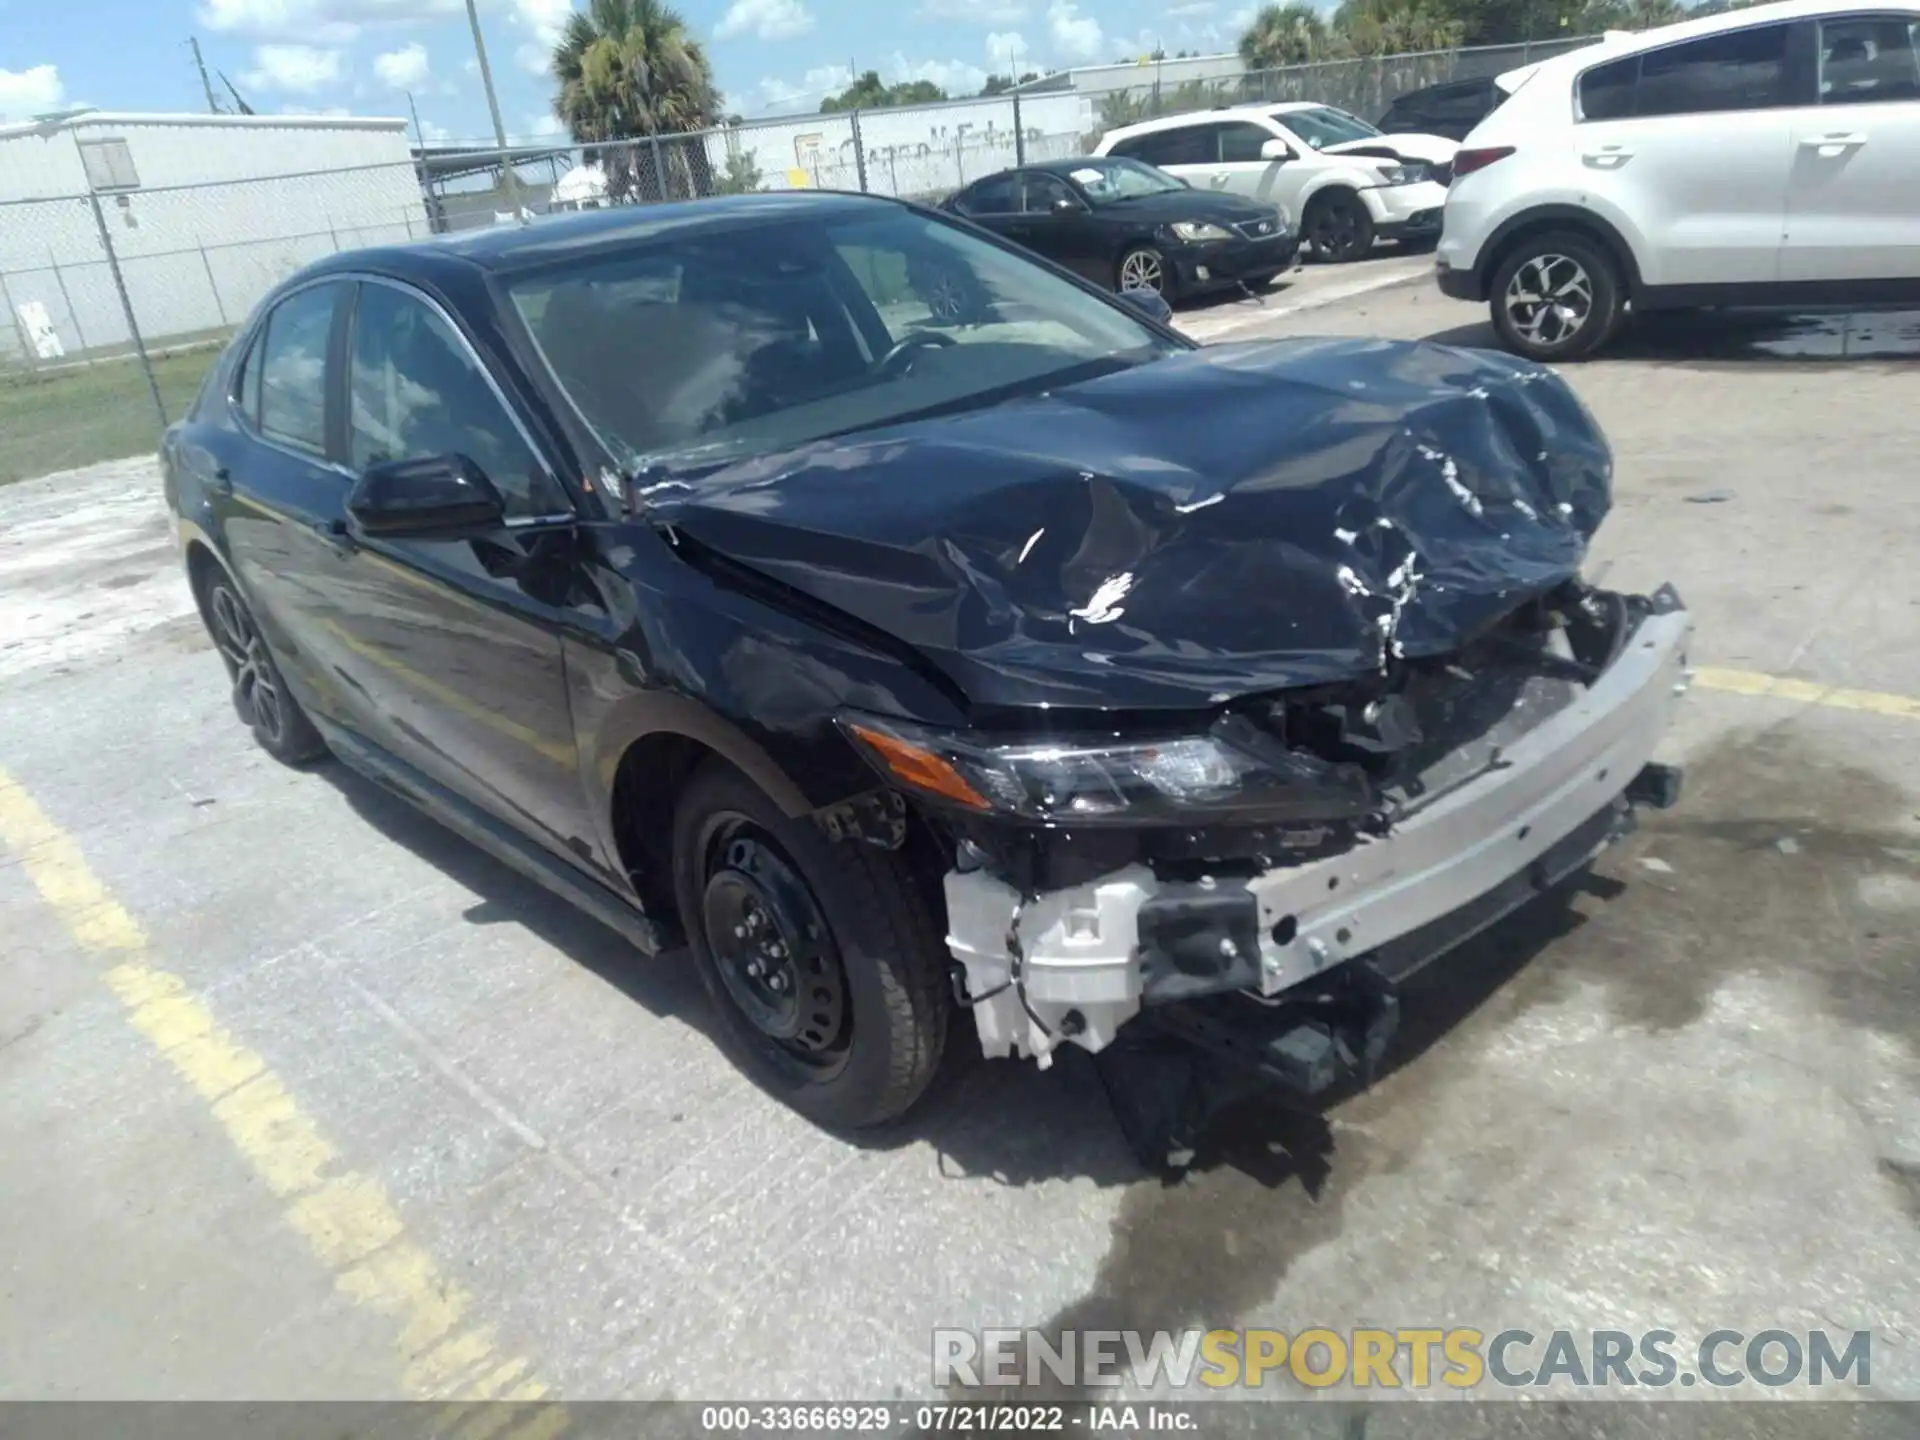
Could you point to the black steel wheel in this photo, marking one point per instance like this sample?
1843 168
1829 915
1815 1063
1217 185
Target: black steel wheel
1338 226
827 973
260 694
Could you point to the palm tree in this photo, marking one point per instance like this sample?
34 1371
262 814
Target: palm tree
629 69
1290 34
1395 27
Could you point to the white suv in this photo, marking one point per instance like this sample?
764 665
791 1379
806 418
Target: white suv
1348 183
1764 156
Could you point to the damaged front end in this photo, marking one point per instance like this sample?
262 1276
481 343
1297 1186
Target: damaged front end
1260 885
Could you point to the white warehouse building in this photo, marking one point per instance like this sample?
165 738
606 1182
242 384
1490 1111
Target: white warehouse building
204 213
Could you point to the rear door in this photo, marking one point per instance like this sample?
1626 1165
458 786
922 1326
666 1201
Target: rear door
1853 200
459 640
1188 151
1690 144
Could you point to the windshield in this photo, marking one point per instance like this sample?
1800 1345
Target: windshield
1324 125
1117 179
711 344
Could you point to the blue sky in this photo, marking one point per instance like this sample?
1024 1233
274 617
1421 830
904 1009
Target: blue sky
361 56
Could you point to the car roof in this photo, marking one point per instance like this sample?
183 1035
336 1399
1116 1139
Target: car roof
519 247
1209 117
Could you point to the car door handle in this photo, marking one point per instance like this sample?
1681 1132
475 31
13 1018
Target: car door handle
220 480
1218 182
1607 157
335 535
1833 144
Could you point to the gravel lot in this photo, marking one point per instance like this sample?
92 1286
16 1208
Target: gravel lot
1688 1098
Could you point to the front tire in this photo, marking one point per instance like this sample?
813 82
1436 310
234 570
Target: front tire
824 966
1144 268
1557 296
260 693
1338 227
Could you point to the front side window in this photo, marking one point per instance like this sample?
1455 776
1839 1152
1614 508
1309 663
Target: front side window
291 358
1868 60
789 331
1738 70
415 391
1043 192
996 195
1240 142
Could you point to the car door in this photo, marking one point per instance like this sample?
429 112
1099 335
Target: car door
1059 224
1689 145
459 639
277 490
1853 198
993 203
1245 171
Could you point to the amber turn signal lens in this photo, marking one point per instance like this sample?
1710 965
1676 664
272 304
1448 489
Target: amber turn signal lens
921 769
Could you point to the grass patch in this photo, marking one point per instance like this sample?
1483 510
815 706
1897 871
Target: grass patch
57 420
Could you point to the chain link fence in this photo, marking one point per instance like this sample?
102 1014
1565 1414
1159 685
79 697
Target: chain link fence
111 304
115 303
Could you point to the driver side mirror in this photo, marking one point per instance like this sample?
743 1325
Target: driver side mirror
1277 149
433 497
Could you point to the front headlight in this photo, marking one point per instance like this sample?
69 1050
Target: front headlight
1196 231
1233 770
1402 174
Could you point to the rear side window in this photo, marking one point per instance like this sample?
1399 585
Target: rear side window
1188 145
1869 60
1606 91
1740 70
292 362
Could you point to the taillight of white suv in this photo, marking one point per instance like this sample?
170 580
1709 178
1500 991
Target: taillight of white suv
1465 162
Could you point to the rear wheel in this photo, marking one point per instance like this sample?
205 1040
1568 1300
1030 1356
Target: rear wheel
260 694
1556 296
821 958
1338 226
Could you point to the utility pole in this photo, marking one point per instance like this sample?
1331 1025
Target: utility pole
419 135
206 84
507 177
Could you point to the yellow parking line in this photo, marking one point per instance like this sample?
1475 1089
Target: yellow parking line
1806 692
346 1218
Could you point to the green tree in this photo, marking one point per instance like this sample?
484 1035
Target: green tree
869 92
1290 34
741 177
1396 27
629 68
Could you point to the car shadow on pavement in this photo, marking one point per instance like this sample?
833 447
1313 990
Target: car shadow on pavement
1743 336
1067 1128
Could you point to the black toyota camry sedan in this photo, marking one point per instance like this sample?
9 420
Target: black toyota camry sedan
825 594
1129 226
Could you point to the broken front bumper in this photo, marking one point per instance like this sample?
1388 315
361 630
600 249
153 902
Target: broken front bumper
1074 965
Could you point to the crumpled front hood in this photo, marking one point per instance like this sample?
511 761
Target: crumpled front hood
1229 520
1432 149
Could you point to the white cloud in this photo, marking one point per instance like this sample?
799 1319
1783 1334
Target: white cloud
768 19
403 69
542 22
956 77
299 68
30 92
1193 7
814 86
533 57
1075 36
974 12
324 22
544 126
433 133
1007 50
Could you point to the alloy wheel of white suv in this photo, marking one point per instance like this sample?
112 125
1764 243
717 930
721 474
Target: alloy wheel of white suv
1556 296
